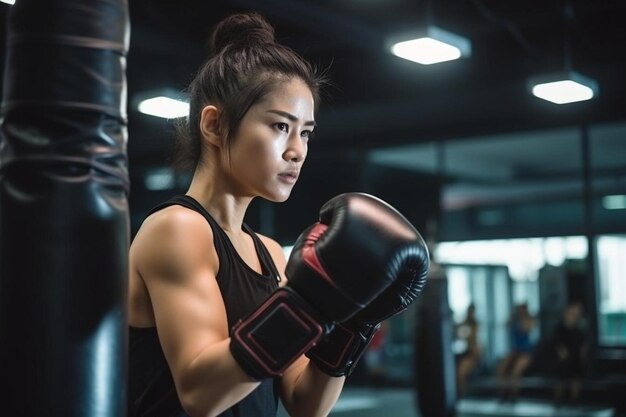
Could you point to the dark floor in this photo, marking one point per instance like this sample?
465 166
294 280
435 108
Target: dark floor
373 402
399 402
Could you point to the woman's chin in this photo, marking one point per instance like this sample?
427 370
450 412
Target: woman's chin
281 199
279 196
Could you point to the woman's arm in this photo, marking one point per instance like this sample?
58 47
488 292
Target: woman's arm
305 390
175 256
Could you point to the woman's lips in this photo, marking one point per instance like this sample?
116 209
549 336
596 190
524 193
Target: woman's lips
288 177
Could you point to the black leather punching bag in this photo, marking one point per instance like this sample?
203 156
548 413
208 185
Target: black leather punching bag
64 224
434 358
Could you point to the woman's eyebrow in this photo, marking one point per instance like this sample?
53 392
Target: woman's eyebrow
291 117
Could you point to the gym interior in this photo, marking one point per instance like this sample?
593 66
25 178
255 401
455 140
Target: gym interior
522 200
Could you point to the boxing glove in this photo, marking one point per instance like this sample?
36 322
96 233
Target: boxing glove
338 353
360 246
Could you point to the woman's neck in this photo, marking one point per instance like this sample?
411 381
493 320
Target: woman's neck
227 208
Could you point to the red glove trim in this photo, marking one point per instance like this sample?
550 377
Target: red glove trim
309 255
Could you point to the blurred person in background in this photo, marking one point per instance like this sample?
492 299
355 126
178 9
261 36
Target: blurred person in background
570 345
468 359
511 369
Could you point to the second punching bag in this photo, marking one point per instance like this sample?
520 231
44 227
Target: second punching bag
434 359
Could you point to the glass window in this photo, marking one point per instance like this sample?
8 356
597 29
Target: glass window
611 273
458 291
497 274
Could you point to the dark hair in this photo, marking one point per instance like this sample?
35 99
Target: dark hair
246 64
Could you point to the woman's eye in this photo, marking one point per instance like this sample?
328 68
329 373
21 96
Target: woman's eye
308 134
283 127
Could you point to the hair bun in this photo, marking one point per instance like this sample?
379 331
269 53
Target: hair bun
244 29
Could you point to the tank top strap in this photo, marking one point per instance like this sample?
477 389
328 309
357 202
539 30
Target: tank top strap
264 254
193 204
219 236
222 241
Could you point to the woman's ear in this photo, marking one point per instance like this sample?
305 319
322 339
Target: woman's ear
209 125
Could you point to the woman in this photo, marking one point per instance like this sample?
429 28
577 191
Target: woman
195 267
515 364
467 361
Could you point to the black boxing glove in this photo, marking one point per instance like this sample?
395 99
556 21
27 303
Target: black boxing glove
338 353
360 246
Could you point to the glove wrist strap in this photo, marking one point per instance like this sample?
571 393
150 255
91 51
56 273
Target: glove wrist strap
270 339
339 352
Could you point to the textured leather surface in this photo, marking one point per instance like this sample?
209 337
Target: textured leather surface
360 247
367 246
271 338
64 227
408 262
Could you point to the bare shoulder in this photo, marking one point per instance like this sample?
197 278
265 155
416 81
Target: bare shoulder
270 243
277 253
174 256
169 239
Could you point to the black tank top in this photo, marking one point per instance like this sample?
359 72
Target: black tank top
151 386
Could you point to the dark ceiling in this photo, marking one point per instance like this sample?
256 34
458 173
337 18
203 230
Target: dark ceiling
378 99
399 109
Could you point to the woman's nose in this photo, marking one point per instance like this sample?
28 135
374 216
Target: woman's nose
296 148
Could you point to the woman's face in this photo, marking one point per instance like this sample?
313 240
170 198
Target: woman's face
271 143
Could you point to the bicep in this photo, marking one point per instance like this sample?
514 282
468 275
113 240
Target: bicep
179 264
190 316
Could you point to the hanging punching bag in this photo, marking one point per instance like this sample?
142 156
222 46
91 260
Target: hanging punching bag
433 355
64 224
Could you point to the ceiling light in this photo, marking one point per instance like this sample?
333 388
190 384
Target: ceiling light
562 88
614 202
432 46
167 103
159 179
162 106
567 86
8 1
